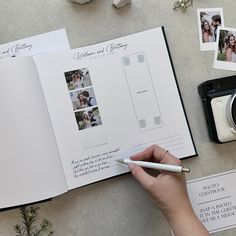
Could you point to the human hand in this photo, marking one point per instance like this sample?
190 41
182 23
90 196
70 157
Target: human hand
169 192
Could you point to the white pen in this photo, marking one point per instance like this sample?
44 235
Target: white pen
157 166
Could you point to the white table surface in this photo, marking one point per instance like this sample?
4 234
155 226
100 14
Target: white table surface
119 206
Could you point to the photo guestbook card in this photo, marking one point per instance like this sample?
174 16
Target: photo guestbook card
214 200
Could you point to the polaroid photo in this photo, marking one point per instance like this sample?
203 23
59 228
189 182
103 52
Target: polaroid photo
209 21
225 53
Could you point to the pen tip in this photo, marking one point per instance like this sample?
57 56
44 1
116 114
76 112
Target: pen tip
185 170
121 161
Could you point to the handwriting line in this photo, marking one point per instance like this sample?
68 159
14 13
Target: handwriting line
201 203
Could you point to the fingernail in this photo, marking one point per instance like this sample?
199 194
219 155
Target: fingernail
131 167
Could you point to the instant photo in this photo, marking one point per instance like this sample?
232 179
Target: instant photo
209 21
225 54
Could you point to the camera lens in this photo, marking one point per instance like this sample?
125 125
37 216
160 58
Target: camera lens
233 109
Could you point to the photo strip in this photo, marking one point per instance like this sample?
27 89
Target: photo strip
225 53
209 21
83 98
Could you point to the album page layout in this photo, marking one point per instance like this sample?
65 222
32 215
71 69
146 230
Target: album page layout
110 100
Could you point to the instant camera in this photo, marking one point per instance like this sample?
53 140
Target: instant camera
219 103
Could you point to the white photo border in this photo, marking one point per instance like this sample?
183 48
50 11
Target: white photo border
208 46
224 65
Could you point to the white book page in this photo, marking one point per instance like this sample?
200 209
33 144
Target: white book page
110 100
51 42
30 168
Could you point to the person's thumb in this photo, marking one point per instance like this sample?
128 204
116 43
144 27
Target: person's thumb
142 176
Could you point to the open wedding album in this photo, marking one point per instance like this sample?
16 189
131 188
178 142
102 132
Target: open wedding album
66 118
